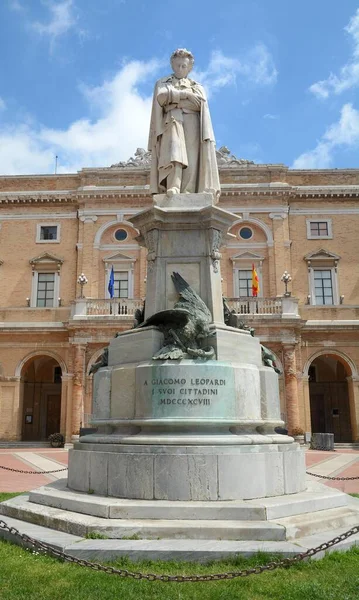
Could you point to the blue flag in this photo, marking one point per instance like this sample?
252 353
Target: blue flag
111 283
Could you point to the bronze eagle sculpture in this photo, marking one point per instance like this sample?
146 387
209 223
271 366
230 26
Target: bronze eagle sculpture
185 326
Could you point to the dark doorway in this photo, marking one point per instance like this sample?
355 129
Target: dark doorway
329 398
41 385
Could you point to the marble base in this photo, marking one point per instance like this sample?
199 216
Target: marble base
198 531
187 473
187 396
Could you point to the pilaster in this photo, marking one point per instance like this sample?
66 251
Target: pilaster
353 391
281 247
87 249
291 386
78 387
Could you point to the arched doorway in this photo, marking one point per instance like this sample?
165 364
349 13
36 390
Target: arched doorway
41 390
329 397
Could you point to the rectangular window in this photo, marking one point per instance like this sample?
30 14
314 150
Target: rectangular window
319 228
48 232
245 282
45 289
323 286
121 284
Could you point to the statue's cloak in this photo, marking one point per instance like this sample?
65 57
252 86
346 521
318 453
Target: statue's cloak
208 178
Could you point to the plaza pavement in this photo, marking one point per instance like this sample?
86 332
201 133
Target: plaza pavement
341 463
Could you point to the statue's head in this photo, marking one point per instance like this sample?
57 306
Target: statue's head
182 61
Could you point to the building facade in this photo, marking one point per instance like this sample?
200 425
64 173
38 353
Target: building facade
55 227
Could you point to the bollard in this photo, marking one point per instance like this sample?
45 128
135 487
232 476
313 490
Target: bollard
322 441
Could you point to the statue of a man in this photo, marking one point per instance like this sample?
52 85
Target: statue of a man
181 135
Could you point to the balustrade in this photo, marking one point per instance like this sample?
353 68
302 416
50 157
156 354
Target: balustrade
249 305
114 307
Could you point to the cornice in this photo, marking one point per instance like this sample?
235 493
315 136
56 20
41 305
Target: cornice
36 197
288 191
228 190
126 191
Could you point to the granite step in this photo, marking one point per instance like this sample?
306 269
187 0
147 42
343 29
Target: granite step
200 551
60 496
317 497
56 539
81 525
300 526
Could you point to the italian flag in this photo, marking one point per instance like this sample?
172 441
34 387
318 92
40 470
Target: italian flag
255 282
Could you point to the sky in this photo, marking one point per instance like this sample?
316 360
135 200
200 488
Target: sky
77 76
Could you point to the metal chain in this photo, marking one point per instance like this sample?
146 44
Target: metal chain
271 566
66 468
32 472
331 478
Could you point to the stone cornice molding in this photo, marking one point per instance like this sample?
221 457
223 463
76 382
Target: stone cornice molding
67 376
125 191
10 379
276 216
36 197
255 190
88 218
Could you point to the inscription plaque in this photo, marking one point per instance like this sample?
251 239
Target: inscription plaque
172 391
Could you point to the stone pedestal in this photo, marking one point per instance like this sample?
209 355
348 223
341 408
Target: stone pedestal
189 429
197 472
185 236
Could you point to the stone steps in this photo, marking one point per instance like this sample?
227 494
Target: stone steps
321 521
81 525
278 529
200 551
58 495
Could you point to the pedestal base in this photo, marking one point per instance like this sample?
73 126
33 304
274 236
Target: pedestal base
177 530
152 472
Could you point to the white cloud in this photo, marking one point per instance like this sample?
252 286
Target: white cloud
271 117
119 123
2 104
255 67
344 132
349 74
61 20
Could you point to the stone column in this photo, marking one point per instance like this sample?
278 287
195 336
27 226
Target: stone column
291 386
18 405
353 391
67 381
11 408
78 387
65 402
306 403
